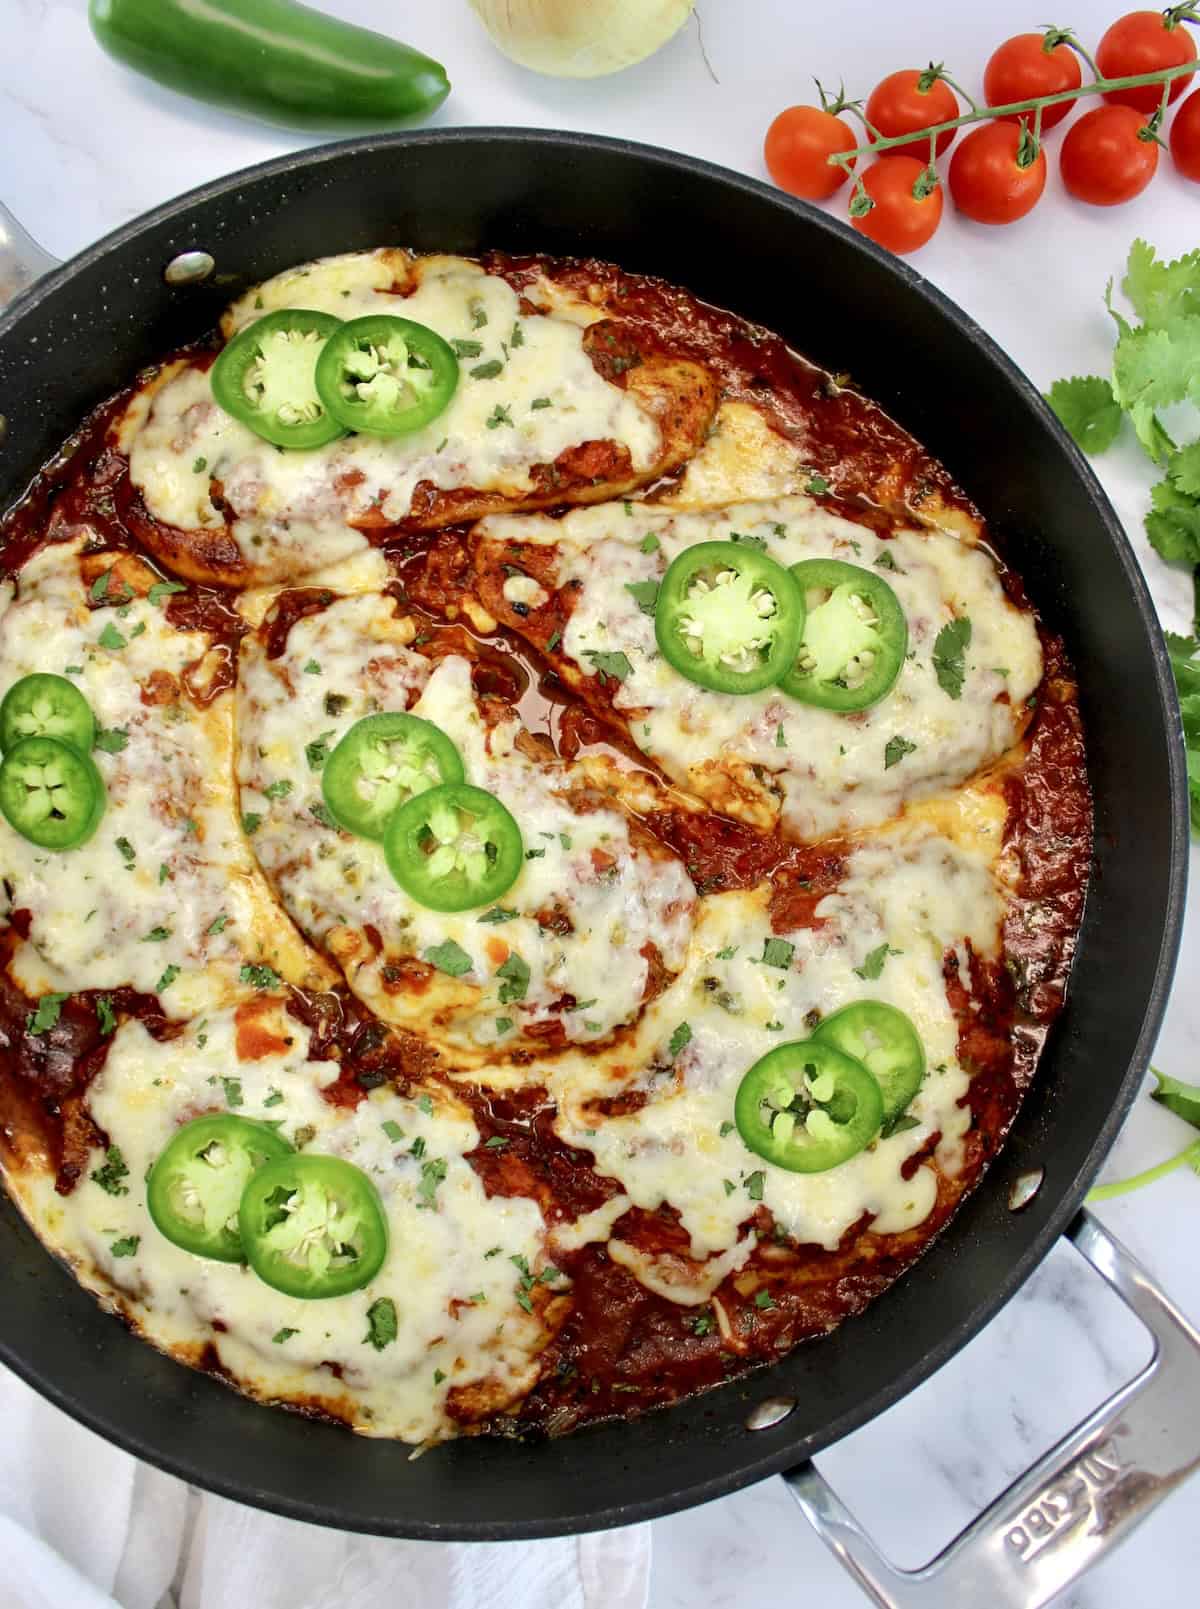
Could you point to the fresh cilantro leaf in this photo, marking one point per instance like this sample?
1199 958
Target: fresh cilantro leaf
817 486
895 749
156 935
515 972
681 1037
949 649
517 338
278 790
874 962
319 811
317 752
496 1143
233 1091
1089 411
727 1128
1178 1097
728 953
47 1014
644 594
754 1184
312 668
885 561
1160 290
488 370
450 958
112 1174
541 402
218 924
780 737
650 543
382 1328
764 1301
335 703
162 590
498 913
105 1015
1183 470
110 637
167 979
702 1324
112 739
392 1129
535 854
759 543
777 953
504 1025
273 1098
467 349
285 1334
615 664
1173 524
501 414
1153 368
553 641
251 822
425 1104
259 976
432 1174
126 1246
900 1124
128 852
478 313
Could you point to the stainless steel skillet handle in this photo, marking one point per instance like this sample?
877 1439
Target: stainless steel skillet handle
1077 1502
22 260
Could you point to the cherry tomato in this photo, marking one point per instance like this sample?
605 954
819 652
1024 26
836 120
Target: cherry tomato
899 219
1103 160
899 106
1185 138
1142 42
987 180
1022 68
797 147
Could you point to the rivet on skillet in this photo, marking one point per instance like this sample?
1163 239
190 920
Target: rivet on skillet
1024 1188
768 1413
189 268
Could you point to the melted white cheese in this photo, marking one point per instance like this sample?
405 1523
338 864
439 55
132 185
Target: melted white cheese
581 869
294 509
821 771
914 891
459 1321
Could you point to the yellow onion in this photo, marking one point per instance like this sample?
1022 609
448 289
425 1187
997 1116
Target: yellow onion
581 38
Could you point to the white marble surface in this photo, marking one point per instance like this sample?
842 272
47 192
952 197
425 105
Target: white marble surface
85 146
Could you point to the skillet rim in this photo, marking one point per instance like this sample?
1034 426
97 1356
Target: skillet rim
780 1451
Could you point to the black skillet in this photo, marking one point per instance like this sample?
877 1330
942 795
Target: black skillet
82 330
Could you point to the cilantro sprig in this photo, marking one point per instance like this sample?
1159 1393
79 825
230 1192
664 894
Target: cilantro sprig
1182 1099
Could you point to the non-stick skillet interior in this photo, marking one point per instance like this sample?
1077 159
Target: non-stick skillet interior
847 306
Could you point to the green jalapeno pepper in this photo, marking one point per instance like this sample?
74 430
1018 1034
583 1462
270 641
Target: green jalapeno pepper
44 705
273 60
265 377
313 1226
886 1043
454 847
728 617
385 376
381 763
807 1107
50 793
196 1186
854 640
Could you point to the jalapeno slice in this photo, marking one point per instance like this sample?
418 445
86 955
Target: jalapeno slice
313 1226
43 705
266 378
382 762
50 793
886 1043
854 640
728 617
807 1107
454 847
386 376
196 1186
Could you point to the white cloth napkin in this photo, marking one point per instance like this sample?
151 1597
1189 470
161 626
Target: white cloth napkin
85 1526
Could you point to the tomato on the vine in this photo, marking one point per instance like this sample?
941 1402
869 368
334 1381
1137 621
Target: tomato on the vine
907 204
1109 156
909 101
1028 66
797 149
1145 42
998 173
1185 138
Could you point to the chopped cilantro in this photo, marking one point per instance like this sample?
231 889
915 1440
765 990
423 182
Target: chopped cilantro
111 1176
504 1025
432 1174
312 668
650 543
104 1014
450 958
285 1334
488 370
555 639
112 739
517 338
895 749
162 590
780 737
777 953
167 979
515 972
702 1324
728 953
319 811
727 1128
884 560
759 543
754 1184
273 1098
317 752
498 913
218 924
233 1091
425 1104
644 594
541 402
251 822
873 964
392 1129
949 649
278 790
681 1037
110 637
47 1014
126 1246
259 976
128 852
438 1377
764 1301
156 935
382 1328
467 349
335 703
817 486
500 415
615 664
496 1143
